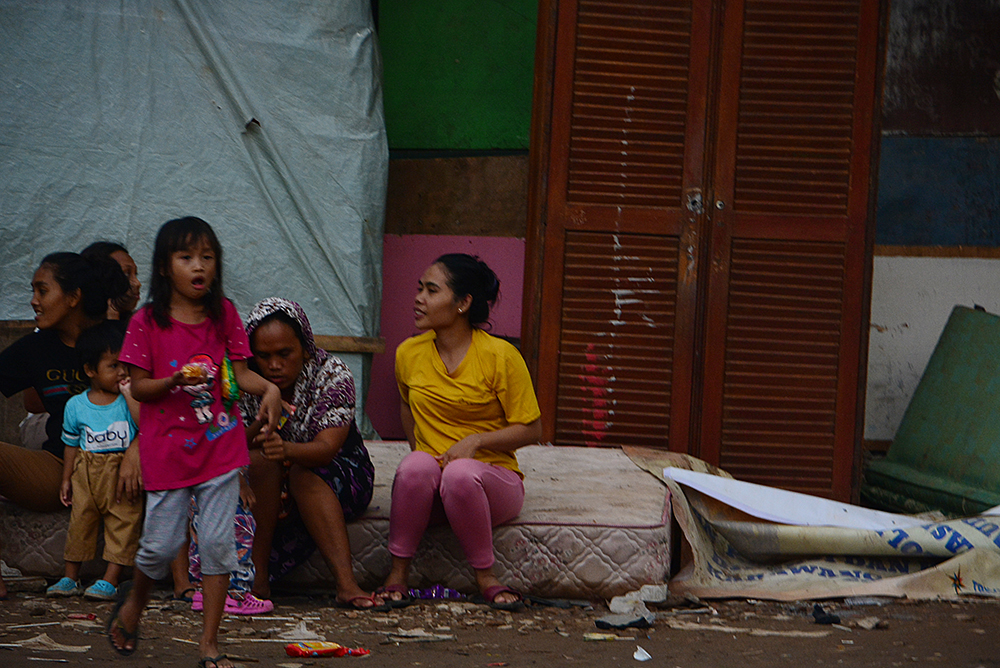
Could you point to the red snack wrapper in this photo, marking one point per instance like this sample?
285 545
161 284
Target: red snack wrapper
304 649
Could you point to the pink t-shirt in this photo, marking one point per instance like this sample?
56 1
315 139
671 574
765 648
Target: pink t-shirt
187 436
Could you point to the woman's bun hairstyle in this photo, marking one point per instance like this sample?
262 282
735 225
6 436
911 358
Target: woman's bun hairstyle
98 279
468 275
101 250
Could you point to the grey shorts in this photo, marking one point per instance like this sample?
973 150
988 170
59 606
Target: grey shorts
166 526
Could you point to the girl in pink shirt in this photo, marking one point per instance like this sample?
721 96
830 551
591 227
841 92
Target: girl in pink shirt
184 349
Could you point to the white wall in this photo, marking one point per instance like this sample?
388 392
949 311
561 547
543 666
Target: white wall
912 298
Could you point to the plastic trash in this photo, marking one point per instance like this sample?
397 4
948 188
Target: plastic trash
625 621
641 654
300 649
823 617
435 593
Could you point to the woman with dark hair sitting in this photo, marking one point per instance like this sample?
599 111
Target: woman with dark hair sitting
70 293
467 405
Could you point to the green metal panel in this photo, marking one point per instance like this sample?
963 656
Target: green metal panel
458 73
946 454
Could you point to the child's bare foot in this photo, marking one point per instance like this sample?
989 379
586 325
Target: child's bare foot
123 627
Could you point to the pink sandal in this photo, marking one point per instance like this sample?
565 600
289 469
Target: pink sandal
250 605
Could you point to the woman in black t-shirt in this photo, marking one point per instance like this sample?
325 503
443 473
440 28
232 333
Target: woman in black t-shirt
69 294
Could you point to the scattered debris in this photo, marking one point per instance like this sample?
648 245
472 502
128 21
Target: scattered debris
641 654
44 642
869 623
47 658
694 626
417 635
31 626
300 632
628 621
822 616
311 649
868 600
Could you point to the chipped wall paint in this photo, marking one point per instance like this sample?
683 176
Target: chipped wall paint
912 298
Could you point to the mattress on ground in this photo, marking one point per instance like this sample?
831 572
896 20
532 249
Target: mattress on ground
594 525
34 542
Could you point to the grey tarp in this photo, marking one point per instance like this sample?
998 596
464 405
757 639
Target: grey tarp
263 118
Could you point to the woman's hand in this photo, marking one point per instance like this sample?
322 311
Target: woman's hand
464 449
272 447
130 475
246 492
508 439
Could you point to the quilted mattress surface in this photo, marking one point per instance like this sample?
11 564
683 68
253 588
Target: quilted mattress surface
593 526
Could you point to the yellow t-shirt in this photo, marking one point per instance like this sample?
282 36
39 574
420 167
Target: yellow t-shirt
489 390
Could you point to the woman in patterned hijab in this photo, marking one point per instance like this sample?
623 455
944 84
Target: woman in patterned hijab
314 471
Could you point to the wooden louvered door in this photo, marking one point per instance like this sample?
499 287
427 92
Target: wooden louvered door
731 328
787 286
617 308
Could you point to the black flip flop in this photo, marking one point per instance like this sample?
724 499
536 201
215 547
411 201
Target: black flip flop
185 597
490 594
403 602
115 623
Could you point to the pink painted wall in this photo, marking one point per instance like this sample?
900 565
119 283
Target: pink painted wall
404 259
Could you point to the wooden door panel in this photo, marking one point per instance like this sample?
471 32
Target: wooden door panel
784 321
783 338
619 270
616 352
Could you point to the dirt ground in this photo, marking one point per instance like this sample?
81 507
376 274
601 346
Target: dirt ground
451 635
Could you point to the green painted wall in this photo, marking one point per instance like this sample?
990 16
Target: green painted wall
457 73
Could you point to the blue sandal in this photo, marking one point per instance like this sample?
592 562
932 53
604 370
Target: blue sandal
64 588
102 590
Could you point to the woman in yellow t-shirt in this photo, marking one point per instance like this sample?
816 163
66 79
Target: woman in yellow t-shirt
467 405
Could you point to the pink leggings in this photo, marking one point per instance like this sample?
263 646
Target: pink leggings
471 495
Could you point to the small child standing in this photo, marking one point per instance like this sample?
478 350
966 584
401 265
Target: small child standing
98 427
184 349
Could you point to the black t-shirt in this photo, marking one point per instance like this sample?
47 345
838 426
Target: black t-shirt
42 361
